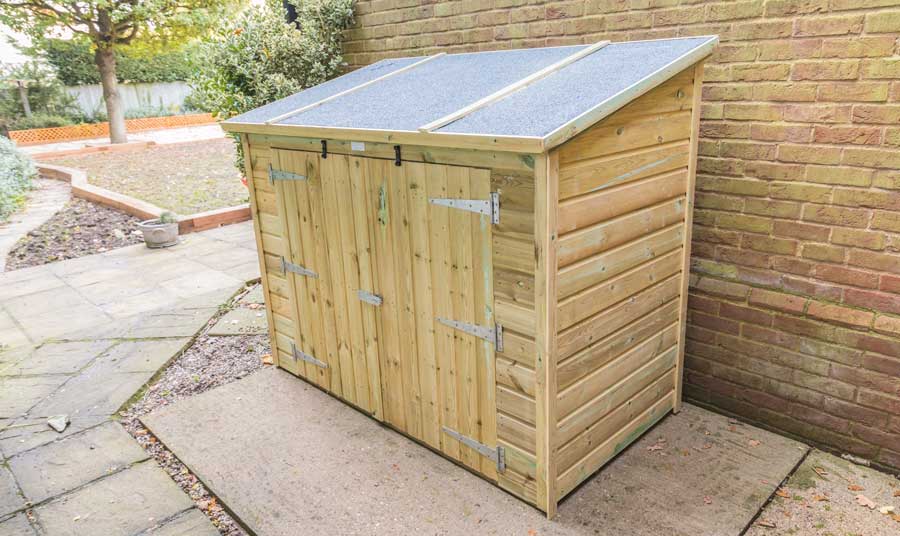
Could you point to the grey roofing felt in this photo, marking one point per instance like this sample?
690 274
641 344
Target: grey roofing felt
574 89
418 96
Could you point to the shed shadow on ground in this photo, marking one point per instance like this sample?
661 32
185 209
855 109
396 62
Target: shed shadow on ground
286 458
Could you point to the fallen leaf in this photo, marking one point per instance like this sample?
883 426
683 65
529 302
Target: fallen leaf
862 500
651 448
766 524
753 443
895 517
707 499
854 487
268 359
783 493
532 532
820 498
819 471
897 493
707 446
886 510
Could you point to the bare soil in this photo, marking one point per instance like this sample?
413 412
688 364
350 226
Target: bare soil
208 363
80 228
185 178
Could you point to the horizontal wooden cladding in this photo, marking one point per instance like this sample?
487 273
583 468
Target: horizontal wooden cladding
594 299
620 438
611 233
614 409
603 351
600 206
597 327
599 174
621 134
601 379
520 475
601 267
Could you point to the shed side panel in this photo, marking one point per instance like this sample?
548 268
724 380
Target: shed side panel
623 188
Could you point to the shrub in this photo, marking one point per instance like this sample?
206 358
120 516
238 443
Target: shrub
16 173
46 96
40 120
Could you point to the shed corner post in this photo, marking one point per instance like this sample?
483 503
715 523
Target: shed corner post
257 234
545 247
688 223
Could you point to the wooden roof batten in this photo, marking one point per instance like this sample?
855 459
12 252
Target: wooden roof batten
320 102
511 88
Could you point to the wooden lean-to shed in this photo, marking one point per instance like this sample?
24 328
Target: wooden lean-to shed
488 251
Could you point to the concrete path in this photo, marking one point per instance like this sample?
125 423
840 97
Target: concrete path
162 137
80 338
288 459
43 202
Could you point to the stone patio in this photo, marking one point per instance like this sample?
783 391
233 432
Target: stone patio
80 338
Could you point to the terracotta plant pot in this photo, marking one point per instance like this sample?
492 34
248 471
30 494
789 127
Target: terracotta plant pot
158 234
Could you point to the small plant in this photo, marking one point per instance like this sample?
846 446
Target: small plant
16 173
168 217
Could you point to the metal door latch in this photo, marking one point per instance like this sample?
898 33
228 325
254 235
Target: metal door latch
488 207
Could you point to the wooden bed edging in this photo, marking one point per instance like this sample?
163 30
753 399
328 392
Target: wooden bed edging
138 208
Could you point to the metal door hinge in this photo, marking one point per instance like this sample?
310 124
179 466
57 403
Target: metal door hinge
369 297
488 207
493 334
498 455
303 356
281 175
296 268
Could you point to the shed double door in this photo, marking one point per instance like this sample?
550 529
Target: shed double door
381 271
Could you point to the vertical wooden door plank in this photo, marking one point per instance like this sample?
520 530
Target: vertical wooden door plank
363 218
463 299
483 290
439 235
421 272
390 356
688 223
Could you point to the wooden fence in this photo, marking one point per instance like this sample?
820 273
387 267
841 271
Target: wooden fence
38 136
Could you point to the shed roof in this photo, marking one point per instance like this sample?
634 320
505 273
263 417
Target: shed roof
527 100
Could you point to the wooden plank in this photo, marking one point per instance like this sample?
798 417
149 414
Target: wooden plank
599 174
545 292
601 352
610 105
516 432
439 231
586 210
272 244
607 450
623 412
514 287
513 254
339 94
515 377
516 404
617 135
598 297
483 293
516 190
257 233
600 237
599 326
688 225
364 212
517 318
511 88
604 266
518 348
605 377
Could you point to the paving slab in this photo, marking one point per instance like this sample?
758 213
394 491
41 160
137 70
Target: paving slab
19 393
288 459
254 296
821 497
98 390
241 321
143 355
10 498
16 526
64 465
191 523
58 358
122 504
28 433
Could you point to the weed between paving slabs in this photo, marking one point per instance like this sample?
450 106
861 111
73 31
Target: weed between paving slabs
209 362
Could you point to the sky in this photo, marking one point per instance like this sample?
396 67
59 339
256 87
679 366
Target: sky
8 53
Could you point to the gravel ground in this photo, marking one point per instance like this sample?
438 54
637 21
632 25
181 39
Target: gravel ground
208 363
80 228
185 178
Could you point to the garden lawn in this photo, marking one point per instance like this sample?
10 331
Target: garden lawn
185 178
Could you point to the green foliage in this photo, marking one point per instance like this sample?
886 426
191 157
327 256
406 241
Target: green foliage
49 102
73 60
16 173
259 58
168 217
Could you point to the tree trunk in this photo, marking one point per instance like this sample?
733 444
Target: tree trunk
106 63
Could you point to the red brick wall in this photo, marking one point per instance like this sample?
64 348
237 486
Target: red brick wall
795 311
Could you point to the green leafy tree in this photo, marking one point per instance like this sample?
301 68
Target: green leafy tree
259 57
47 99
110 24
